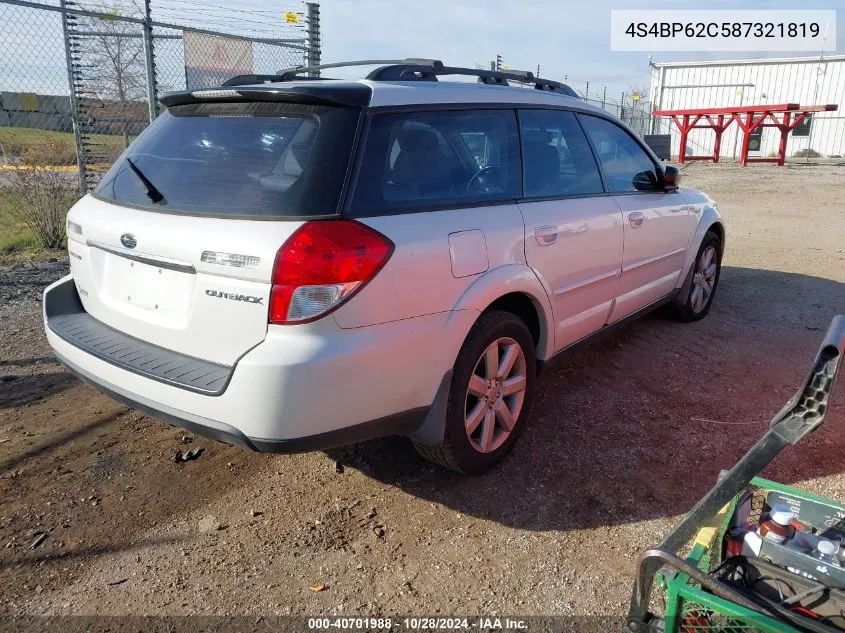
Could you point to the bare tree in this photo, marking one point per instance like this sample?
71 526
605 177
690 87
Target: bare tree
41 197
113 52
638 93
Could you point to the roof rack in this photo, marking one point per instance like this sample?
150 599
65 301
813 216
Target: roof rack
411 69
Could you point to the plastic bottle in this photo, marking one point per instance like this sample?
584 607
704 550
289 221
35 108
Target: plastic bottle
777 527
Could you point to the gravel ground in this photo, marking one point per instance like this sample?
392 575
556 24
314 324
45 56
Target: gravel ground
623 438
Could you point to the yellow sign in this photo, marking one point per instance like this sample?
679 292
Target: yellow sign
111 16
635 97
291 17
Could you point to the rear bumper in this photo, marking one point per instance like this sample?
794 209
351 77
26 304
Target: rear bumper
398 424
303 388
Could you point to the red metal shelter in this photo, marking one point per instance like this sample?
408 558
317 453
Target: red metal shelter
784 116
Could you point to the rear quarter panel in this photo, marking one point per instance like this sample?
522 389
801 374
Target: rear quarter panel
420 277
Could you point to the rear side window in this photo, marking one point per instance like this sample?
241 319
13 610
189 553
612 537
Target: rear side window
557 160
436 159
625 164
239 159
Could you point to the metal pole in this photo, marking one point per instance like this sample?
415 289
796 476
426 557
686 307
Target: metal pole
604 97
736 137
659 104
149 53
312 12
74 103
587 92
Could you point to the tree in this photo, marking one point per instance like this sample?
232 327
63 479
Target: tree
112 55
638 93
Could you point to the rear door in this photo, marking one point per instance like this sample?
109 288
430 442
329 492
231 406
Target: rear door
573 230
656 222
177 244
442 185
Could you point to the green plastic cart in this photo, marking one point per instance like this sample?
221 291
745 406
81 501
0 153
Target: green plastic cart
706 589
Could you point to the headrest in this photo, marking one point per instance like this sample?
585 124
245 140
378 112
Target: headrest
417 140
297 151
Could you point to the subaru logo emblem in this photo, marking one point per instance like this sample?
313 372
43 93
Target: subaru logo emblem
128 240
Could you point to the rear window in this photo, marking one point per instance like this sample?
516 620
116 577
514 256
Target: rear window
238 159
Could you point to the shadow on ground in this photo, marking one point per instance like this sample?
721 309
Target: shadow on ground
638 425
19 390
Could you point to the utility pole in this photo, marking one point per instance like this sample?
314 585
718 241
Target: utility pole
538 70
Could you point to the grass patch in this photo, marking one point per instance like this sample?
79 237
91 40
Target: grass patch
48 147
15 236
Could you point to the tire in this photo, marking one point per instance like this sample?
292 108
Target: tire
481 404
696 307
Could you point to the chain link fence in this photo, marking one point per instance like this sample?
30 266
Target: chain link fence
632 108
78 82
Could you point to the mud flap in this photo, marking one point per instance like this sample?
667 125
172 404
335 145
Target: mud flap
433 428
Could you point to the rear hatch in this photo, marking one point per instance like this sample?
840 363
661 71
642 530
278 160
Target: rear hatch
177 244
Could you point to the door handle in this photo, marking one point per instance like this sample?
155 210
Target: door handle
636 219
546 235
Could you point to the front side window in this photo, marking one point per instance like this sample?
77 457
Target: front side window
435 159
557 159
625 164
238 159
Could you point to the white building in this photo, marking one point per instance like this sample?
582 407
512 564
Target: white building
804 80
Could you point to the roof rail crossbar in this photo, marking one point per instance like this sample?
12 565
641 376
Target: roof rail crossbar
245 80
288 74
411 69
406 72
493 81
400 72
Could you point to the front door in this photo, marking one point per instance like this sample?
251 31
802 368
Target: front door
656 222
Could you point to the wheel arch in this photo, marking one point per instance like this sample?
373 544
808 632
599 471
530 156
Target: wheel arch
710 221
515 288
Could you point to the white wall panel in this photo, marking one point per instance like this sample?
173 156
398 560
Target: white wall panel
805 80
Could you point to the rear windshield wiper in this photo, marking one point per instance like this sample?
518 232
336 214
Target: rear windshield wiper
152 191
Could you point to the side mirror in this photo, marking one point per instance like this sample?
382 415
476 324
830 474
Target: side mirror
646 181
671 177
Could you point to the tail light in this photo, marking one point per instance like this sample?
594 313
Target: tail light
322 265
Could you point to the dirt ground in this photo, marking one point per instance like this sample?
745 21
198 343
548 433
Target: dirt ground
623 438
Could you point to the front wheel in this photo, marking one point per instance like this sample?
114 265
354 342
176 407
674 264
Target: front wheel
705 279
490 394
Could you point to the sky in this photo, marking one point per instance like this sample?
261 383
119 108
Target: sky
569 40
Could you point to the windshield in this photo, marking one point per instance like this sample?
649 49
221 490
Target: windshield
238 159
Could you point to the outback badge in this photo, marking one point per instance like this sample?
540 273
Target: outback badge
234 297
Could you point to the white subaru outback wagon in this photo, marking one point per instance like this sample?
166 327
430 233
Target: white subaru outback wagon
287 263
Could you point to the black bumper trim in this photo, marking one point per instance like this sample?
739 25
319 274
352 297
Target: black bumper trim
397 424
67 318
